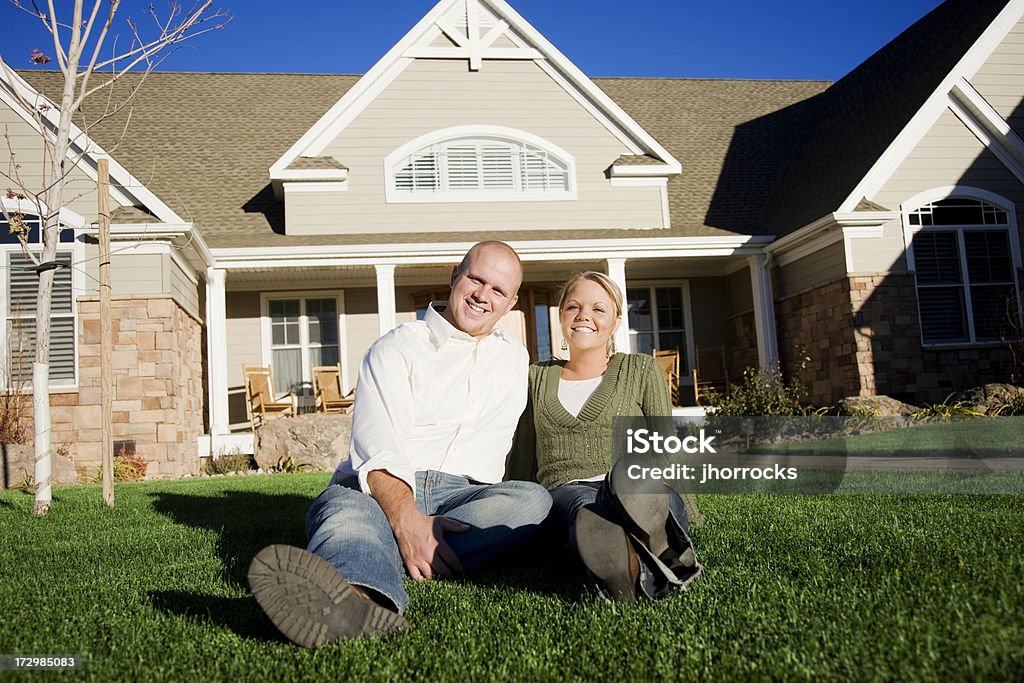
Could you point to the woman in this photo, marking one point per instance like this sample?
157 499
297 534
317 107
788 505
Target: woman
632 543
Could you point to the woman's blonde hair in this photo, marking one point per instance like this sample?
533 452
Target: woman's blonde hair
606 283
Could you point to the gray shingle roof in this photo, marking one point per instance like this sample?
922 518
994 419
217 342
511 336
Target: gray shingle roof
316 164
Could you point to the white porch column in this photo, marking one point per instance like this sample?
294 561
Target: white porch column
385 297
764 310
217 353
617 272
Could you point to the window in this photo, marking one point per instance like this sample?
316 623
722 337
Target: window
506 165
657 320
19 306
963 258
303 333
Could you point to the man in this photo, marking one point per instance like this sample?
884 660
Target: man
437 405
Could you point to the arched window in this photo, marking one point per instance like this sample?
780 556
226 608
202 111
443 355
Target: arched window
963 253
488 164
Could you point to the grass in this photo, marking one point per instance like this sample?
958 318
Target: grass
852 587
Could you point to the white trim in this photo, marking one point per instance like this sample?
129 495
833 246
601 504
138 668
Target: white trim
764 311
641 170
183 236
616 269
266 336
394 196
315 187
217 352
921 123
387 315
689 333
465 53
988 126
452 252
312 174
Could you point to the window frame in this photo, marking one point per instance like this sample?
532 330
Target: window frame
266 332
691 344
476 134
73 251
1011 229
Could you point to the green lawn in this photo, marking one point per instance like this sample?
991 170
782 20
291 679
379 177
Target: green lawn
852 587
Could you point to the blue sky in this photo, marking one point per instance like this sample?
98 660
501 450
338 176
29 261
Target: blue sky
791 39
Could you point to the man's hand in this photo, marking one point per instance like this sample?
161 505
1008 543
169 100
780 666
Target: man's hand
420 538
422 545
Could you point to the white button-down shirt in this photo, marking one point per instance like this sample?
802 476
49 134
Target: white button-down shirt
430 397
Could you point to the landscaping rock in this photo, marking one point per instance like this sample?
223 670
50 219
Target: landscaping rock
875 406
19 464
314 442
987 399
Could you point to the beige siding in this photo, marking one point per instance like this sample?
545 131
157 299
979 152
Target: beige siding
183 288
136 274
435 94
948 155
360 326
709 304
825 265
79 189
884 254
1001 79
741 292
243 334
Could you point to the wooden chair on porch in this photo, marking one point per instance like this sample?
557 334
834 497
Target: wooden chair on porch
710 372
261 401
668 361
328 392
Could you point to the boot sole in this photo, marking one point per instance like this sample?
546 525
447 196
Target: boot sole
310 602
604 549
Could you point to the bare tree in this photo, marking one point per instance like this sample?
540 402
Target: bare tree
88 65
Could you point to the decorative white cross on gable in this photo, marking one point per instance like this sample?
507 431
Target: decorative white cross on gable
473 30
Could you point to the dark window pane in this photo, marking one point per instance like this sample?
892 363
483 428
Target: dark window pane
638 304
543 325
958 212
943 319
670 308
937 258
642 343
988 256
994 309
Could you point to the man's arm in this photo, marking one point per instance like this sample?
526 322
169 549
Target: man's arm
420 538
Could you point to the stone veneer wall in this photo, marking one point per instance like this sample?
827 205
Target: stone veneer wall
817 322
889 352
158 385
742 345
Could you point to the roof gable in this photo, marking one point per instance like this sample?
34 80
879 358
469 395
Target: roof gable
477 31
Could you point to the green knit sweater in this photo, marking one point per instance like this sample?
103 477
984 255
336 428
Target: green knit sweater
553 447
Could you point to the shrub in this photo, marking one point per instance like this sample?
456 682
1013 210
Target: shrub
228 462
15 407
946 410
764 392
1013 407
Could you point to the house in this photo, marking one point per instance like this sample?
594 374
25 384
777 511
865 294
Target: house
871 224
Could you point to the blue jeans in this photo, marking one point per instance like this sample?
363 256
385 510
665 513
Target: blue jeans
347 527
